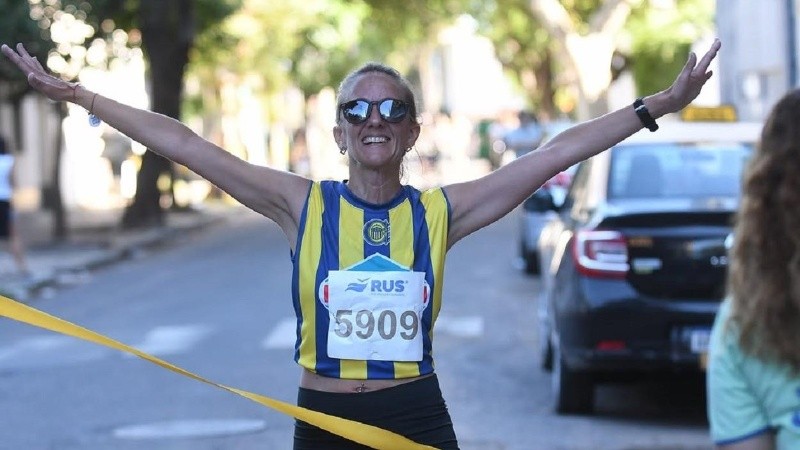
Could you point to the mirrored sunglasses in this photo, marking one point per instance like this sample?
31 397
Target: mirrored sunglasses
390 109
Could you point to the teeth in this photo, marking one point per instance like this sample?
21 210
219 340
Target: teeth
375 139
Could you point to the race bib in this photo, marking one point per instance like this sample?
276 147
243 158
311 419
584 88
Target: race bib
375 315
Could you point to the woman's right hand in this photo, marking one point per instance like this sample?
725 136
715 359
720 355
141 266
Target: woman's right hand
52 87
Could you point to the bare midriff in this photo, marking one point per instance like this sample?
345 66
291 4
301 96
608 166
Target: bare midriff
310 380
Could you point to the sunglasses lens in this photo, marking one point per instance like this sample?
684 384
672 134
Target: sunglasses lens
393 110
356 111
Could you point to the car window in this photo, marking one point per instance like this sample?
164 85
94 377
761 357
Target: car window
677 170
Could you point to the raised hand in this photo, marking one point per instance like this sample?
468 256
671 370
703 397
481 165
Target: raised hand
691 79
52 87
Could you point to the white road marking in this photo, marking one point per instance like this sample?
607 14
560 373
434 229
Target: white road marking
463 327
34 344
169 340
283 335
48 351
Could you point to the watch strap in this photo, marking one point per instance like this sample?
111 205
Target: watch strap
644 115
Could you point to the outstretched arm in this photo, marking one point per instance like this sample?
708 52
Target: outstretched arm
276 194
480 202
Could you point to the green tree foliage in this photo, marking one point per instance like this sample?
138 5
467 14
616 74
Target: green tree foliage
168 32
524 49
661 39
349 33
594 40
30 25
17 26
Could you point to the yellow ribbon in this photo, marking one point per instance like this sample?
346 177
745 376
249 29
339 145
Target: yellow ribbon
368 435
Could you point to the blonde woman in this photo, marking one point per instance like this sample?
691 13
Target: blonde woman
370 250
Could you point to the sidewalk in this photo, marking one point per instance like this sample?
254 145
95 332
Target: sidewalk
94 240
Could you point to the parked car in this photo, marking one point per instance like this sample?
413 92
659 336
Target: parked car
535 211
634 261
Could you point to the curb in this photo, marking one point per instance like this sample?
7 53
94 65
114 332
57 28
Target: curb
120 248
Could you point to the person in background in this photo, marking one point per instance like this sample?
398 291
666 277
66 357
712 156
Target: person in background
8 233
753 377
526 137
368 252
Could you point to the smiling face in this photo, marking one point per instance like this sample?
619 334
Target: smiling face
375 144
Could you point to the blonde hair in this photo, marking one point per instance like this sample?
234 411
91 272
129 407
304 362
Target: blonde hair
764 277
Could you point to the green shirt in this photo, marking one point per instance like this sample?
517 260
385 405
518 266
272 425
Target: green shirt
747 396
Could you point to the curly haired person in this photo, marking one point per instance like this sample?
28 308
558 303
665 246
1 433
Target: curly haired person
754 356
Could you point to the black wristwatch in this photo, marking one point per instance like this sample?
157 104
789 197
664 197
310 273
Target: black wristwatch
644 115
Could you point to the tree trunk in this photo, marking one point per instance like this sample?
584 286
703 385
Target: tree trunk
168 30
51 192
587 55
545 86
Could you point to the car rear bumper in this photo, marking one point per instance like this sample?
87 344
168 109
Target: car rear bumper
613 332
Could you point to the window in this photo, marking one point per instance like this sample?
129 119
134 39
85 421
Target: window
677 170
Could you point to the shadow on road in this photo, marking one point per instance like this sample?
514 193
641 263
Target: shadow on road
676 400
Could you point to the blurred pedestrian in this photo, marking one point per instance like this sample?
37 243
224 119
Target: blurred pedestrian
9 234
754 356
527 136
368 252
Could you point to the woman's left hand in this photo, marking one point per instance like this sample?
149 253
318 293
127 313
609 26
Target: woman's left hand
691 79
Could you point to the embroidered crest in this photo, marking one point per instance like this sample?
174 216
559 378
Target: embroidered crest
376 232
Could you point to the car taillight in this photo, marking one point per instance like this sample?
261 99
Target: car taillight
601 253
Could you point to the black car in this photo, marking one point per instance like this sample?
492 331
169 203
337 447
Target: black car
634 265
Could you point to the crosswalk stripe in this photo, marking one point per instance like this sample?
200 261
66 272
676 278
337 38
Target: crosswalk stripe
283 335
463 327
172 339
34 344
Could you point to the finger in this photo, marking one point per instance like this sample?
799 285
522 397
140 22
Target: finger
22 51
22 59
38 64
16 59
6 50
709 56
691 61
30 62
10 54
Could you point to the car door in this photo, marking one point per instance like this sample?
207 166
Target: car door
552 245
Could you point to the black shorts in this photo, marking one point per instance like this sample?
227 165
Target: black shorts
5 219
415 410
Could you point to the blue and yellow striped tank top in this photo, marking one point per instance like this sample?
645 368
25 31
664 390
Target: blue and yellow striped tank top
341 232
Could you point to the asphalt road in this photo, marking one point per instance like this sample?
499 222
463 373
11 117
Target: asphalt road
218 304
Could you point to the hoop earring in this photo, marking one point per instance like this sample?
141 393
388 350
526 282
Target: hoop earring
342 150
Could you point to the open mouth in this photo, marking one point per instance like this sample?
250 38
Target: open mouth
374 140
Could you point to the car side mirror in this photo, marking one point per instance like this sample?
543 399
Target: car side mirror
540 201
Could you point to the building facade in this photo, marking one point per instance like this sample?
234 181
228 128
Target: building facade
759 62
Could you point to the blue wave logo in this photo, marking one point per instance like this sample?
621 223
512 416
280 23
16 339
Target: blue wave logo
358 287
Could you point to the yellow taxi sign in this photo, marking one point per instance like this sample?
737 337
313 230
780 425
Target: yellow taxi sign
724 113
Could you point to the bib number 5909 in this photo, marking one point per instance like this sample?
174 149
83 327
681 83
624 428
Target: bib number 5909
365 324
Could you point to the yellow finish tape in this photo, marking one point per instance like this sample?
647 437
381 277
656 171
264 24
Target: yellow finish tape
368 435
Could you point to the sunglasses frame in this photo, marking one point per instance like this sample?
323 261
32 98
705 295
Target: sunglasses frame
370 104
